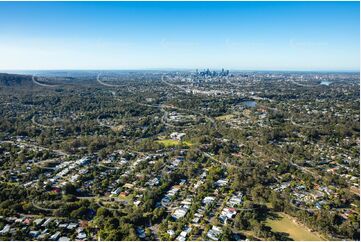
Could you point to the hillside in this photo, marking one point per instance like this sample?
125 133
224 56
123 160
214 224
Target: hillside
15 80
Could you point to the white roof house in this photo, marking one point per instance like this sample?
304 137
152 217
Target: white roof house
221 182
116 191
180 213
214 233
208 200
55 236
177 136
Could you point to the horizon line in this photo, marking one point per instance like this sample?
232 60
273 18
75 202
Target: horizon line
188 69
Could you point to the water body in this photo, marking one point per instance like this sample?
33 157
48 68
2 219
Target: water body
250 104
326 83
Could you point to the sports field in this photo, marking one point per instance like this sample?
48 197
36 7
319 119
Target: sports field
295 231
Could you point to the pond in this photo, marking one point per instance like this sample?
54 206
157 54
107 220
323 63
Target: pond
250 104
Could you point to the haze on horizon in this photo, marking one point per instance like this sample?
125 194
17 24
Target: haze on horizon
185 35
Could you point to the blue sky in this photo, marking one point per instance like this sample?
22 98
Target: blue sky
156 35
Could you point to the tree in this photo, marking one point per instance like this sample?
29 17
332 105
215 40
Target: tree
103 212
69 189
226 233
79 213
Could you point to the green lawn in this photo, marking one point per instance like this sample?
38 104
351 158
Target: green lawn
171 142
295 231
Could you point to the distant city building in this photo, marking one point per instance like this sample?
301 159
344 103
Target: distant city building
208 73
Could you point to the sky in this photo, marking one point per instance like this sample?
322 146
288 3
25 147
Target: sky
181 35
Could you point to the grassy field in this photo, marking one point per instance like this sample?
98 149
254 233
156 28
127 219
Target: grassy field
225 117
171 142
128 198
295 231
117 128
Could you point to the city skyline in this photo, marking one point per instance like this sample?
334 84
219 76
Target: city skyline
276 36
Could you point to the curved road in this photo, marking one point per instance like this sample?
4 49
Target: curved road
42 84
107 84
